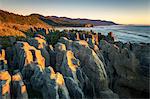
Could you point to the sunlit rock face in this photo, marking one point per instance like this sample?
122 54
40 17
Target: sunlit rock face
40 43
77 82
24 57
28 54
3 61
68 67
78 66
36 76
57 80
52 84
5 78
91 65
18 87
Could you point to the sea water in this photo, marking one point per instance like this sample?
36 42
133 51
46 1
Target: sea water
124 33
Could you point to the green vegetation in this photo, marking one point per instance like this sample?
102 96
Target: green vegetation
53 36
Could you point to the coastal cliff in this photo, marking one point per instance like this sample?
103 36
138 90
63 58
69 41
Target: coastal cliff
73 64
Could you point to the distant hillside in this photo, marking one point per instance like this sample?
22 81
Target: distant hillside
6 17
36 19
17 25
64 21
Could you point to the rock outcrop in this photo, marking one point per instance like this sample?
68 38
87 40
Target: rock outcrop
40 43
19 90
5 78
78 64
52 84
69 66
91 65
123 69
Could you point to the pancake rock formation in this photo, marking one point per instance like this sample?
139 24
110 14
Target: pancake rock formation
73 65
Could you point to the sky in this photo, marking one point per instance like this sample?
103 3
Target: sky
119 11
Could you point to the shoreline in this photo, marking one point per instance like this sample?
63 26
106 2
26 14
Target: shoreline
34 31
123 33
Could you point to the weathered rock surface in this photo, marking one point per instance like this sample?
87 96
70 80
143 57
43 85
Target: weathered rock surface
69 66
11 86
81 65
52 85
123 69
5 78
37 76
19 90
40 43
28 54
91 65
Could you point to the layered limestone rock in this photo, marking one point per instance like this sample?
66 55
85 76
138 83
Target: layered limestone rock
142 53
51 84
86 65
69 66
55 85
91 65
32 65
40 43
28 54
3 61
123 70
18 87
5 78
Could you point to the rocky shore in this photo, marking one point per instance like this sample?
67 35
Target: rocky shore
73 65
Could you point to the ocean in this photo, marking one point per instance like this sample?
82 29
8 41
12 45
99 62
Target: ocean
124 33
